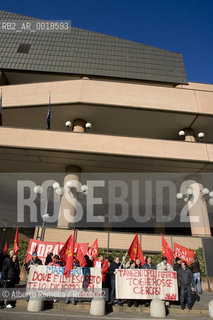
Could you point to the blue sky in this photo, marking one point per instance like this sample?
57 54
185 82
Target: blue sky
184 26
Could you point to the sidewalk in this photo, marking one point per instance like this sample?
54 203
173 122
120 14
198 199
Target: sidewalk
200 308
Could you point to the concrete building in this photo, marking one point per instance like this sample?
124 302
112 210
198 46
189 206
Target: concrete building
137 99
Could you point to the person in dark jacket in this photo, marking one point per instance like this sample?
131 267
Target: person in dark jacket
195 268
89 263
49 258
10 277
185 281
177 264
35 261
148 264
112 271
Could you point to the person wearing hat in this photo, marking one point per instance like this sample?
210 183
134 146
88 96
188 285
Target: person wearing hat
164 265
177 264
35 261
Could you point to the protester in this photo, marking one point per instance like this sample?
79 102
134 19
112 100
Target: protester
148 264
89 263
177 264
130 302
137 264
164 265
1 263
56 261
125 264
112 271
10 277
49 258
35 261
185 281
103 264
195 268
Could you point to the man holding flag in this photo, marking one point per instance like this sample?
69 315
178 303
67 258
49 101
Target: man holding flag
67 254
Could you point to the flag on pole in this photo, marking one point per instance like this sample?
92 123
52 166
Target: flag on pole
67 254
80 256
1 109
48 114
93 251
167 251
135 251
5 247
183 253
16 243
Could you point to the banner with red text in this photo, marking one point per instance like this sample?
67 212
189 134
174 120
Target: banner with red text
52 277
183 253
146 284
43 248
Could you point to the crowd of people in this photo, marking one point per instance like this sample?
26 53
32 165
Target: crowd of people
187 276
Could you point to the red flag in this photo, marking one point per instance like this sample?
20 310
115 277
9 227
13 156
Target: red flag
183 253
16 244
167 251
135 251
80 256
93 251
67 254
5 247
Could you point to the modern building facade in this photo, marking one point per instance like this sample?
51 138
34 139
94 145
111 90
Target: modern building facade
137 100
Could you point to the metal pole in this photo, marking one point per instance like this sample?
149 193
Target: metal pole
108 244
207 277
46 207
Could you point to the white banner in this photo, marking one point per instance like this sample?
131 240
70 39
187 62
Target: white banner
146 284
51 277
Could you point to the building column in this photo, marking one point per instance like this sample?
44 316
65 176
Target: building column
79 125
189 135
67 210
198 210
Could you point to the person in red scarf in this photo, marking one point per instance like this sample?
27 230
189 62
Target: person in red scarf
103 264
56 262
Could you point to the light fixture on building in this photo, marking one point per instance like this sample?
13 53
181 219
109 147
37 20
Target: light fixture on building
68 124
181 133
201 135
88 125
56 185
69 184
59 191
179 195
38 189
84 189
189 194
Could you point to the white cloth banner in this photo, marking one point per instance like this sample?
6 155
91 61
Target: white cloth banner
146 284
51 277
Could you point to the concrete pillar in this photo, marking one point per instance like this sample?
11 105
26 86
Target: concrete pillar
189 135
3 79
35 305
198 213
157 309
67 210
79 125
210 305
97 307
